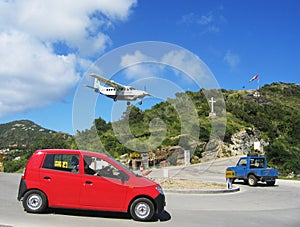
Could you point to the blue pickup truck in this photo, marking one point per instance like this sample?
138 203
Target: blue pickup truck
251 169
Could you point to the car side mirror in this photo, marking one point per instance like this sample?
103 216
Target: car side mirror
123 176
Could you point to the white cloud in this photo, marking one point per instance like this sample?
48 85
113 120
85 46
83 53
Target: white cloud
138 56
138 65
187 63
232 59
205 19
32 73
75 23
209 22
187 67
31 76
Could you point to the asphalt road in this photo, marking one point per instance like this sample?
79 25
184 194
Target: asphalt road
251 206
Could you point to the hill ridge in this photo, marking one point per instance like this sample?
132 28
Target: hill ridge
274 114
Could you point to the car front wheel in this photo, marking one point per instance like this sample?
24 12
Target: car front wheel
142 209
252 180
35 201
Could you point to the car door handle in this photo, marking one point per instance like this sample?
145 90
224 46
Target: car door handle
47 178
88 182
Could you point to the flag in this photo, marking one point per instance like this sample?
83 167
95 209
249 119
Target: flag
254 78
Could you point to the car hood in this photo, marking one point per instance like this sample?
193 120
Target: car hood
139 181
230 168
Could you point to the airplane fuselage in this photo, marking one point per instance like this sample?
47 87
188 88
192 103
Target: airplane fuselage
128 93
116 91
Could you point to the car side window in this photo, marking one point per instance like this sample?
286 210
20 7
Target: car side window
62 162
99 167
242 162
257 163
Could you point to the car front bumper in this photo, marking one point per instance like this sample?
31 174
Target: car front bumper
22 189
160 203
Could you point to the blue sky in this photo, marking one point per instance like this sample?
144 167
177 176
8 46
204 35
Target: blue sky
46 48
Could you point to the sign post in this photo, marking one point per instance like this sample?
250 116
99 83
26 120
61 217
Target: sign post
145 160
187 157
230 174
1 164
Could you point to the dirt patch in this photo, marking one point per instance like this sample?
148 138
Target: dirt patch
186 184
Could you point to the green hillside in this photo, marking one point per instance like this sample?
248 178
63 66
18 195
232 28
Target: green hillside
272 117
18 139
21 133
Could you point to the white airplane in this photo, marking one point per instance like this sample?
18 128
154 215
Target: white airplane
117 91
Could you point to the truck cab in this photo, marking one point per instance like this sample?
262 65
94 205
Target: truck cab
251 169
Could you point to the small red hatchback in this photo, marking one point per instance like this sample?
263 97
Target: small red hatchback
87 180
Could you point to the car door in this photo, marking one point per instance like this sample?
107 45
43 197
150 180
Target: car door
60 179
103 189
241 168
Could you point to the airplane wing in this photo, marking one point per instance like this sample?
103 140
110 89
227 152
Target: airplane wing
108 82
90 86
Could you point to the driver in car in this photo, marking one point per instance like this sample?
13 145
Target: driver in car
87 162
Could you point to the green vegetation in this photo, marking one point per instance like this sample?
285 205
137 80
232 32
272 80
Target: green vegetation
275 113
19 139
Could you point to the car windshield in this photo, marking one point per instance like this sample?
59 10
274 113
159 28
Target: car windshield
105 168
125 167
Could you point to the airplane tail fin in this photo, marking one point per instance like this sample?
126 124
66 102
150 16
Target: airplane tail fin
97 84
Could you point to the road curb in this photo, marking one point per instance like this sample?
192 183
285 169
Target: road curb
217 191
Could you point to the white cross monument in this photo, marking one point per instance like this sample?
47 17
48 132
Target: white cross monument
212 113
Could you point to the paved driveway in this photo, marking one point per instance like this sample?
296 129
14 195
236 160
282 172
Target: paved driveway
252 206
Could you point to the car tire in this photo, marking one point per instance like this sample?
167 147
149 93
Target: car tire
35 201
252 180
142 209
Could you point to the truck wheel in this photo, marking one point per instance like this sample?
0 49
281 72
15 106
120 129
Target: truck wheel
142 209
35 201
252 180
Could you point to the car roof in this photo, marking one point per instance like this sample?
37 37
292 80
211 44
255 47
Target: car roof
70 151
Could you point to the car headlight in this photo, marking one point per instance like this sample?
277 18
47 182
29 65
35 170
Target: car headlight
159 189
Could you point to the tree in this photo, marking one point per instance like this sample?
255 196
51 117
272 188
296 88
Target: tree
49 143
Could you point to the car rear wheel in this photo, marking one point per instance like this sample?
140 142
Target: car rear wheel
35 201
142 209
252 180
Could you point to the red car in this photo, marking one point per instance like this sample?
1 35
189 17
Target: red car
87 180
